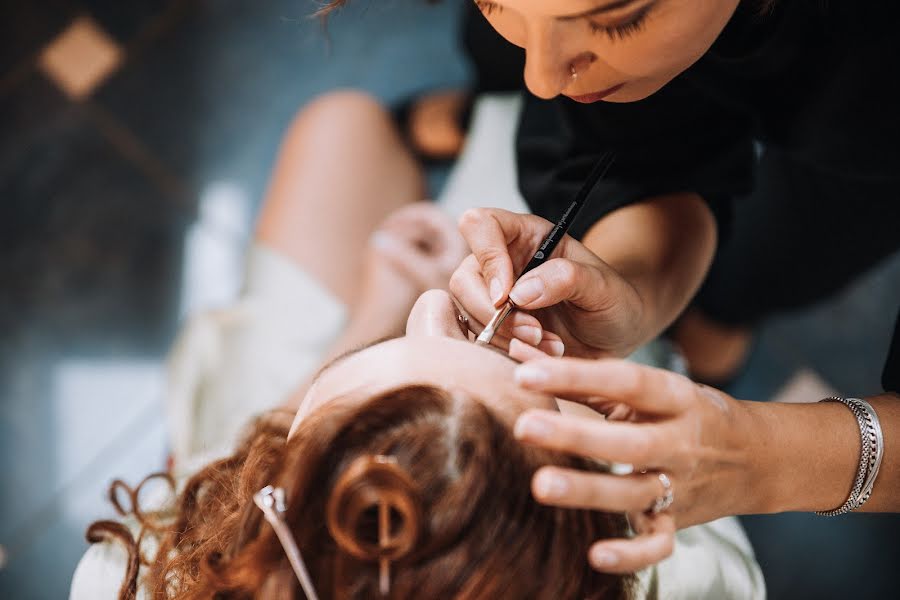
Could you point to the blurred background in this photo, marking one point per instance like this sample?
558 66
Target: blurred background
136 138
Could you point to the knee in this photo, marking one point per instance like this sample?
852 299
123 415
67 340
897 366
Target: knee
344 112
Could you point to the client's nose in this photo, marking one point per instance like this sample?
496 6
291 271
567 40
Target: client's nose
435 314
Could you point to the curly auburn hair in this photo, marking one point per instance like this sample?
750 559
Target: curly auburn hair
463 519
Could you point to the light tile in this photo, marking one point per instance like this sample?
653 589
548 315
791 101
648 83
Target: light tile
81 58
805 386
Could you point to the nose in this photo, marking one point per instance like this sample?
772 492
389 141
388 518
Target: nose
546 70
435 315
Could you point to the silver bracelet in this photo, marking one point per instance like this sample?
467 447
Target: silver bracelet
876 436
870 455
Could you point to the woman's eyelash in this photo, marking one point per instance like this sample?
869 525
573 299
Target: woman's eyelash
622 30
614 32
488 7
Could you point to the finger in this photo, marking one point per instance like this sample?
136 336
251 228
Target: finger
562 280
433 235
492 234
414 263
419 214
520 351
569 488
469 288
550 343
639 386
473 326
633 443
630 555
423 221
487 241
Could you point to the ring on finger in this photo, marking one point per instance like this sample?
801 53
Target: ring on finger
664 501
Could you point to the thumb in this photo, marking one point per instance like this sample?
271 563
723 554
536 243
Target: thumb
562 280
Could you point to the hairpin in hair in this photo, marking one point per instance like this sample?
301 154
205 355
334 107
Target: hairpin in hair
271 502
384 534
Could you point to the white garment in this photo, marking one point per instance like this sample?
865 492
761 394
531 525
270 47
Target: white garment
231 364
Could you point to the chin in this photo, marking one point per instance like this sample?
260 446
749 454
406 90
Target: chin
636 91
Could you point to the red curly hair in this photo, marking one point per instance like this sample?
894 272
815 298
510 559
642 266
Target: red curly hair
463 520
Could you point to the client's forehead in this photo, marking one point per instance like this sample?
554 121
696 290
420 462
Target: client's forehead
443 362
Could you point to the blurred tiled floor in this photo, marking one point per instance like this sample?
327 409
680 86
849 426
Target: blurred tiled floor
123 211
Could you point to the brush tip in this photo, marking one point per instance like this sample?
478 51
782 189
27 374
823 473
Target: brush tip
484 338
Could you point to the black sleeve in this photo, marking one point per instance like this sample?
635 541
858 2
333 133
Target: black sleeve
679 139
890 378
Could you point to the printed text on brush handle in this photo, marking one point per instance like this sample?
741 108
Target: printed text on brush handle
551 241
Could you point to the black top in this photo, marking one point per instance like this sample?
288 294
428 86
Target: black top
817 79
819 83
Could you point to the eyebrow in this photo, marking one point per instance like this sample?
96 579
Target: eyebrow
617 4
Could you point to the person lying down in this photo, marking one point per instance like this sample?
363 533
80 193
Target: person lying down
394 471
419 426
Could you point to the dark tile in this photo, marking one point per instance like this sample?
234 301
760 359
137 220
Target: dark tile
90 273
24 114
43 557
846 338
88 246
806 556
125 20
767 369
212 96
26 27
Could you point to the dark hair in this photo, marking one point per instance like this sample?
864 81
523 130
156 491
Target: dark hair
463 521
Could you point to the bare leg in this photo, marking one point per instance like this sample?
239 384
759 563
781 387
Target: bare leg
341 170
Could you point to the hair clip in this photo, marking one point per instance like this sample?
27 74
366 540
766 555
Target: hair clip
271 501
384 532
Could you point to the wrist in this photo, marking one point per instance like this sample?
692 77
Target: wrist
746 467
805 456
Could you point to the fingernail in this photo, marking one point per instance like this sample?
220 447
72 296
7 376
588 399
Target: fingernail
550 485
528 334
533 427
496 291
556 347
529 374
526 291
603 558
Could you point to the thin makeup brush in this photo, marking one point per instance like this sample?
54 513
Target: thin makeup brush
549 244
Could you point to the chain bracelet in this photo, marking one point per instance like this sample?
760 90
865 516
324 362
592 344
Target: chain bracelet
864 458
876 435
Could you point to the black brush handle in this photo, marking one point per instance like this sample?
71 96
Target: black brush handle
562 226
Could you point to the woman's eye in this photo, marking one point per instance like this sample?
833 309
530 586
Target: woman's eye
622 30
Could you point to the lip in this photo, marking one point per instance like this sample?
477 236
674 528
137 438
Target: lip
596 96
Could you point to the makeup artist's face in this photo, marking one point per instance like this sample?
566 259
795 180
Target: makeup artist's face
434 351
621 50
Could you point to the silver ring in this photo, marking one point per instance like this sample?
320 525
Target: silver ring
463 320
668 497
573 71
